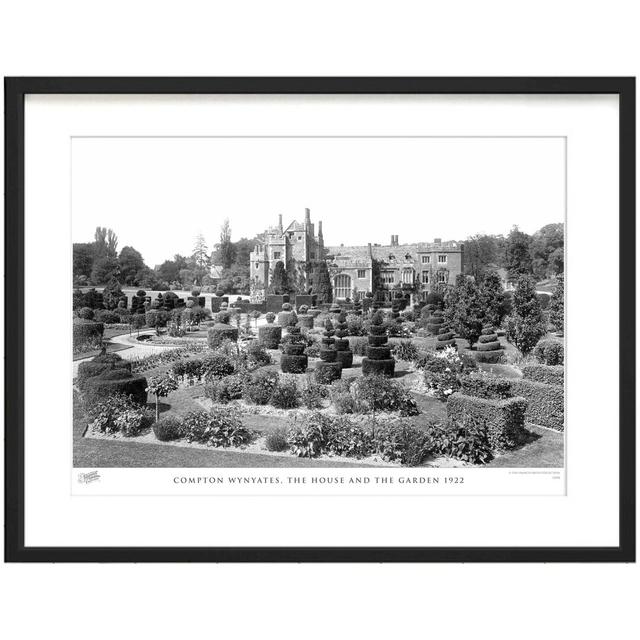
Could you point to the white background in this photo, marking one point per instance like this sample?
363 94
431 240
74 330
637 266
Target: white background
362 38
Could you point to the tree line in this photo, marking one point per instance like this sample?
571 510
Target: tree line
540 255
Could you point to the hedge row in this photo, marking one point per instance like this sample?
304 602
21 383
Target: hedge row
545 402
543 373
502 419
482 385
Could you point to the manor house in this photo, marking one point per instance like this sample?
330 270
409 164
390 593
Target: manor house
418 268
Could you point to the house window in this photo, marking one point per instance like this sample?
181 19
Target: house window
407 276
299 237
257 265
342 286
442 276
442 259
276 255
407 257
426 259
425 276
387 277
362 273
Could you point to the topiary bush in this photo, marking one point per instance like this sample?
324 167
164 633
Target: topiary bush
270 335
257 354
485 385
220 332
444 339
549 352
294 360
435 323
106 316
344 355
329 369
85 313
168 428
378 359
488 348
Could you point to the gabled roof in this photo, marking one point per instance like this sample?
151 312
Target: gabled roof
294 226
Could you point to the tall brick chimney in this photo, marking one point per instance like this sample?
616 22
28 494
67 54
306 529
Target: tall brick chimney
280 222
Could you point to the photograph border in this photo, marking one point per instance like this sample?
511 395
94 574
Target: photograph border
15 91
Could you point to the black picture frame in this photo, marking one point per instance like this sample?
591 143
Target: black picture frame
15 91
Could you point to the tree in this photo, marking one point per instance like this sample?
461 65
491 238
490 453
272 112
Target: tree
525 325
161 386
200 258
156 319
493 298
279 281
547 251
321 282
83 256
111 294
104 269
479 252
130 262
556 307
226 251
517 255
106 242
464 309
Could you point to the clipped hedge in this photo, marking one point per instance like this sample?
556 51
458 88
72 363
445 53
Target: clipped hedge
220 332
86 332
379 367
545 402
489 346
488 337
98 388
502 419
543 373
482 385
93 369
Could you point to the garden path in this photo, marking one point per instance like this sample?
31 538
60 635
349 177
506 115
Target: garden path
134 348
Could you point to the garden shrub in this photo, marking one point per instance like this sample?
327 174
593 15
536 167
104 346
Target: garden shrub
550 352
355 325
442 370
223 390
257 354
99 365
217 365
503 419
286 394
216 428
402 442
313 394
220 332
466 440
168 428
260 386
405 350
106 316
307 439
276 439
117 413
85 313
313 350
343 402
378 393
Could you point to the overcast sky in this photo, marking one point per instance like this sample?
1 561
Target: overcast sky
157 194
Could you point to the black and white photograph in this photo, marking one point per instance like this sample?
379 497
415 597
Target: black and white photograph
318 301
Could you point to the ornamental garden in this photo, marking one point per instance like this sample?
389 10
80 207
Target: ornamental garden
472 375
